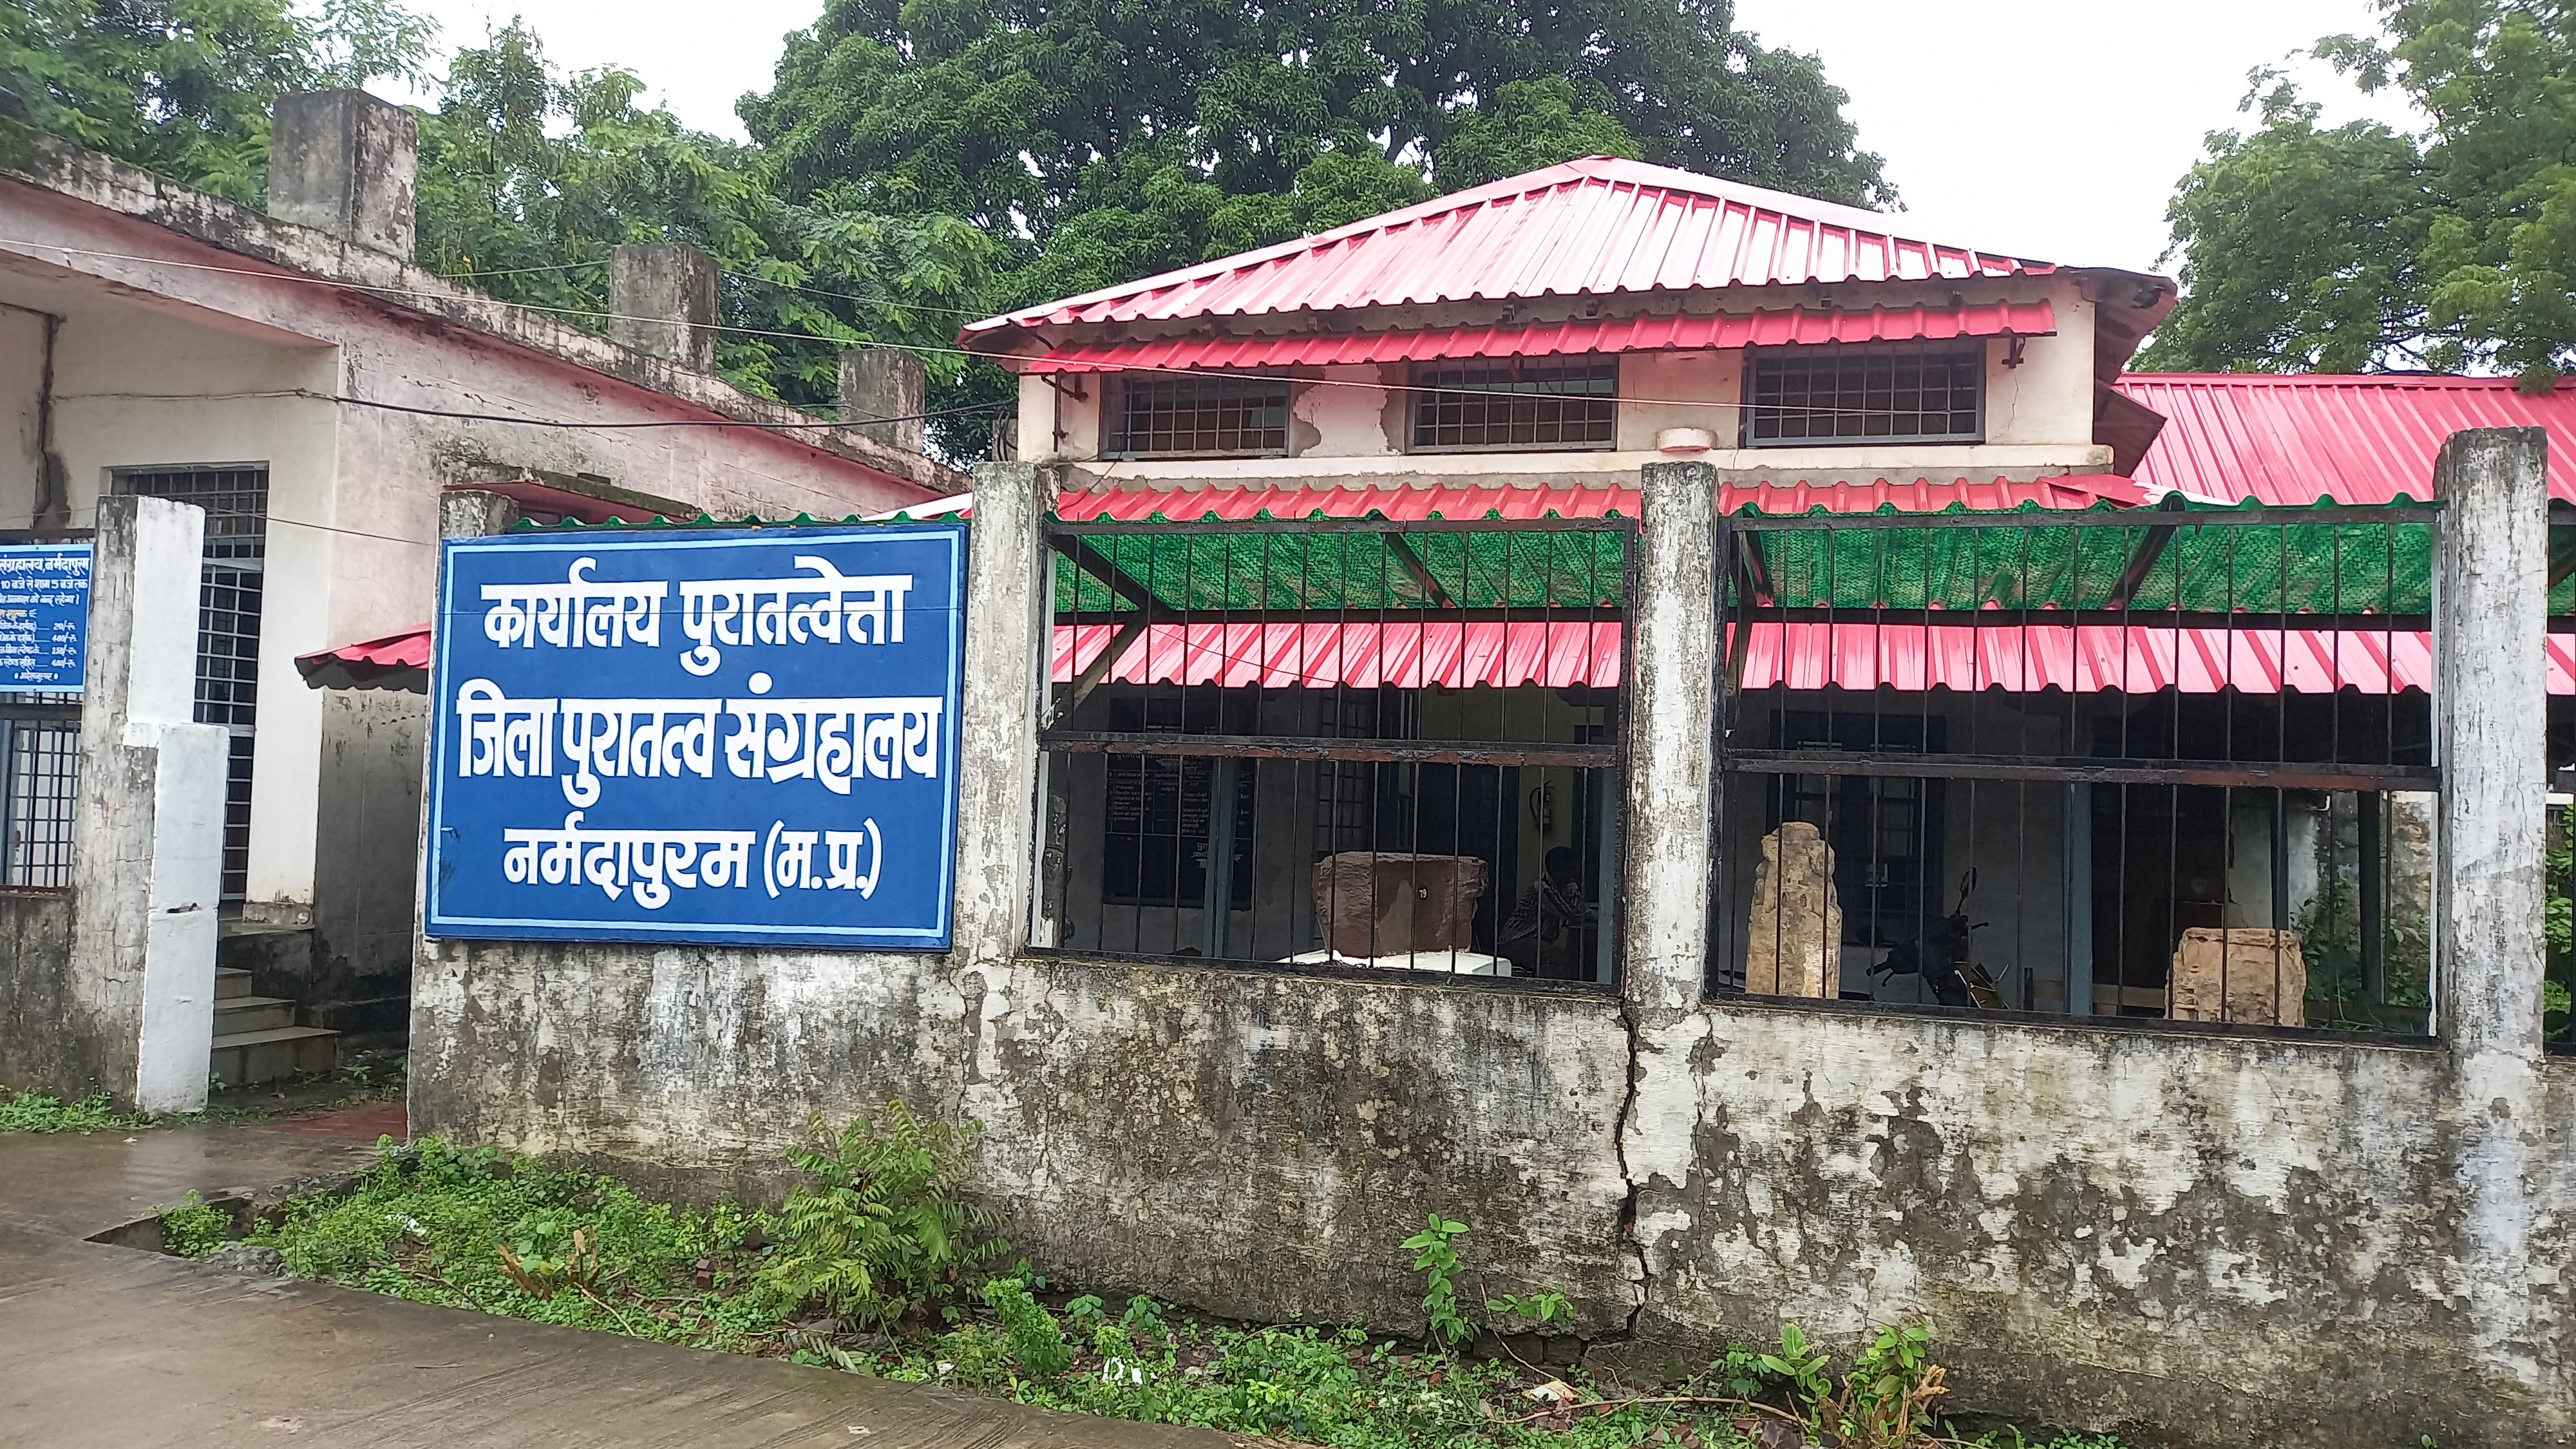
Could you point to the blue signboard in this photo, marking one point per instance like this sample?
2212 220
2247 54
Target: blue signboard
743 736
44 615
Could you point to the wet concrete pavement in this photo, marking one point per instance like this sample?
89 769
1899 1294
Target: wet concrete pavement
113 1346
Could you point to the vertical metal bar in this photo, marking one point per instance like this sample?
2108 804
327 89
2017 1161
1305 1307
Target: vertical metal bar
11 872
2374 906
1216 896
2280 859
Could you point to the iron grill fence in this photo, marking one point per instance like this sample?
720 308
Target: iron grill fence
2166 763
39 780
1368 744
228 620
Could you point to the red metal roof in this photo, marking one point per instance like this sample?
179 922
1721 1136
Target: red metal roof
1457 502
396 661
1405 654
2086 659
2292 439
1595 226
1608 335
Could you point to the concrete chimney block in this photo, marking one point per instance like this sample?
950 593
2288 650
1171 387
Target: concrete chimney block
662 300
346 163
884 393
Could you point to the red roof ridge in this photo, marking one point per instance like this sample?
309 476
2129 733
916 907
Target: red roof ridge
2335 379
1558 263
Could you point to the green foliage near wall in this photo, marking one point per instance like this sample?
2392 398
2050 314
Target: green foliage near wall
184 87
2360 247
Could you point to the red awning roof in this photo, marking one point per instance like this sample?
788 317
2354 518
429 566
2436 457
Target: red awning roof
1607 335
2292 439
2088 659
1595 226
396 661
2085 659
1460 503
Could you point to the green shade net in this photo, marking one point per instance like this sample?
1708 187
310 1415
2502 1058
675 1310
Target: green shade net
2321 568
1332 570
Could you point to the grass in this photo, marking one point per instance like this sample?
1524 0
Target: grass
32 1111
38 1112
476 1229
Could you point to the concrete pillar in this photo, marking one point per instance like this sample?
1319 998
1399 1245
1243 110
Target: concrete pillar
1672 646
472 513
2489 693
885 383
148 838
997 749
2489 690
662 300
347 163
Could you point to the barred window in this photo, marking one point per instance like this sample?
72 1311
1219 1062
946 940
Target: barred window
1797 395
1179 417
228 619
39 775
1512 405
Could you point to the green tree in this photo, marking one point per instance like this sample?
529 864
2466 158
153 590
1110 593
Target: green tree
184 87
2360 246
1530 124
529 178
1097 141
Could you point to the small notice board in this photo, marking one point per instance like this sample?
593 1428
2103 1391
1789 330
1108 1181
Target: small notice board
44 616
737 736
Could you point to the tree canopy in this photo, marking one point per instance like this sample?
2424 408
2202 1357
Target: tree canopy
2362 247
918 163
1101 140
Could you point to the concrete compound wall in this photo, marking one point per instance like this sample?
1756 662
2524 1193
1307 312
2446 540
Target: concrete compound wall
2192 1236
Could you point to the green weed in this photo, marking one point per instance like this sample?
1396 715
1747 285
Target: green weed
879 1232
37 1112
478 1229
191 1228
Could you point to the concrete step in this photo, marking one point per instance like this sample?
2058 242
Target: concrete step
231 982
237 1014
241 1059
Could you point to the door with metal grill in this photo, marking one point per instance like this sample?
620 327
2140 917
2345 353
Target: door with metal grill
228 613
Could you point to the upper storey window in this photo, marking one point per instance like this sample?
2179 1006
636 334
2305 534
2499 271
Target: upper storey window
1504 405
1197 417
1870 393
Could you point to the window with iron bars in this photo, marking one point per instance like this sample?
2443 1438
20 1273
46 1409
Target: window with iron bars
1198 417
1864 393
228 622
39 780
1333 744
1500 406
2174 766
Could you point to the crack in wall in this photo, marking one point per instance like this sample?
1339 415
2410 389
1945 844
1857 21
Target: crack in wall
1627 1175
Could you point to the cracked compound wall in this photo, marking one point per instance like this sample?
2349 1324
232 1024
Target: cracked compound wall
2193 1237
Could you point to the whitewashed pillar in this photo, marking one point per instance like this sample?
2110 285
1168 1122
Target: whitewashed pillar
148 836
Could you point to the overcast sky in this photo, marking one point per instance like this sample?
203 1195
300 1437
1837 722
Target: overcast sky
2053 130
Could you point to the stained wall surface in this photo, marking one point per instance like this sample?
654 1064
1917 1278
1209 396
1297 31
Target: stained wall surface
2190 1236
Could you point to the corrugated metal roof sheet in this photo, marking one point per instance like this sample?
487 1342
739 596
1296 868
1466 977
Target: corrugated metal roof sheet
1796 325
2292 439
396 661
2089 658
2085 659
1454 502
1598 225
1403 653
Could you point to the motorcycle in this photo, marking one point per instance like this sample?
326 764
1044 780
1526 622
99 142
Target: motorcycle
1941 957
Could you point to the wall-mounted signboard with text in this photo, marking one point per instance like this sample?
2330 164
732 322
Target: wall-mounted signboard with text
44 616
740 736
